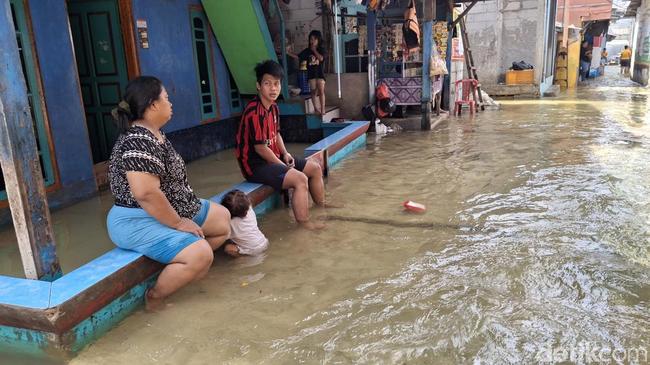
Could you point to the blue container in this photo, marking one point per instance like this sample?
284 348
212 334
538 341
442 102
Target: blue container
303 83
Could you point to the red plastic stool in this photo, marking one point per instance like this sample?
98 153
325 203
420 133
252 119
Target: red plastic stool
467 88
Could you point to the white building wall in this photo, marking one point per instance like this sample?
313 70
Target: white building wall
504 31
301 17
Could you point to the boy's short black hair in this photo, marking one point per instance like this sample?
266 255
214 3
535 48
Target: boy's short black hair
237 203
269 67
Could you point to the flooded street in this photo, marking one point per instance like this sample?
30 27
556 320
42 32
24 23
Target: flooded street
534 248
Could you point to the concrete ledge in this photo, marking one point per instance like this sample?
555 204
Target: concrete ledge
553 90
331 149
414 123
512 90
59 318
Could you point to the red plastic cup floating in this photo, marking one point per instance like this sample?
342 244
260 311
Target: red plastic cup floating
414 207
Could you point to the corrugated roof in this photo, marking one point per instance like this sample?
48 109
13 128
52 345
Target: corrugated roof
631 9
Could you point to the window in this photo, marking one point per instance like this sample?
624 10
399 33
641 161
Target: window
204 65
23 39
235 98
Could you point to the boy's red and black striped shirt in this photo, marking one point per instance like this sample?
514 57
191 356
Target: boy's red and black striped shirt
258 125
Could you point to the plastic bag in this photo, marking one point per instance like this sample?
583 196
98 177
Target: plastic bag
437 66
521 65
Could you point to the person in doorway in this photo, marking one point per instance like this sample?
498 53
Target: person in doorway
585 60
626 57
314 56
262 155
244 233
156 212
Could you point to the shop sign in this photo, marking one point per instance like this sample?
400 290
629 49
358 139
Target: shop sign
457 53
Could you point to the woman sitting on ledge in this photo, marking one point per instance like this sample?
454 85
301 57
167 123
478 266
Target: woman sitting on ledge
156 212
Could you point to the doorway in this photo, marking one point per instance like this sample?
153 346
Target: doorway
101 63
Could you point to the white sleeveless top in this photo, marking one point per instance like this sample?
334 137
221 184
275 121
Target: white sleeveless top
247 236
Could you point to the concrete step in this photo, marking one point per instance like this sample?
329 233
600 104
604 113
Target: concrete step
512 90
331 113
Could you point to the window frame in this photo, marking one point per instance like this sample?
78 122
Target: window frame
29 59
196 12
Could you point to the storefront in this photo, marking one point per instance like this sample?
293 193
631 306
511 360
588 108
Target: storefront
370 39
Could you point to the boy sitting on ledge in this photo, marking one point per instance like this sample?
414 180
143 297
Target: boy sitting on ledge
261 153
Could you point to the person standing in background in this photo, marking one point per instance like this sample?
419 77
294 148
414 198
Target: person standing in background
314 56
603 60
626 57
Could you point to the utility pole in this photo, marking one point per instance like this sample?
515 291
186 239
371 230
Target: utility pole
20 164
429 10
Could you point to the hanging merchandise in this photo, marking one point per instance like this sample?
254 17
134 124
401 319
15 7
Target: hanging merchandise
398 38
377 4
373 4
388 37
437 65
363 39
351 25
411 28
440 37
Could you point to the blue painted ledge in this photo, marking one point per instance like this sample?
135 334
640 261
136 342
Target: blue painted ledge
59 318
333 148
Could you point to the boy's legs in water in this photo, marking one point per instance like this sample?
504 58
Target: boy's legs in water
299 182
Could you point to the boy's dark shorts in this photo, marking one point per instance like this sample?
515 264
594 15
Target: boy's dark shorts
273 174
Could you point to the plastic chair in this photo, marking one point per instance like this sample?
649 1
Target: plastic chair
467 88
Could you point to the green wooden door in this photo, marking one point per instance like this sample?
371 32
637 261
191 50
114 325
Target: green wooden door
102 68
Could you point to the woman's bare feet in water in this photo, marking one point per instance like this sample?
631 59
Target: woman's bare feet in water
151 302
231 250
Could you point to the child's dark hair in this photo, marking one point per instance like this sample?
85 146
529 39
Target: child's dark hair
237 203
318 35
139 94
269 67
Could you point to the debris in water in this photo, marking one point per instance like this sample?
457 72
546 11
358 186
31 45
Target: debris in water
414 207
